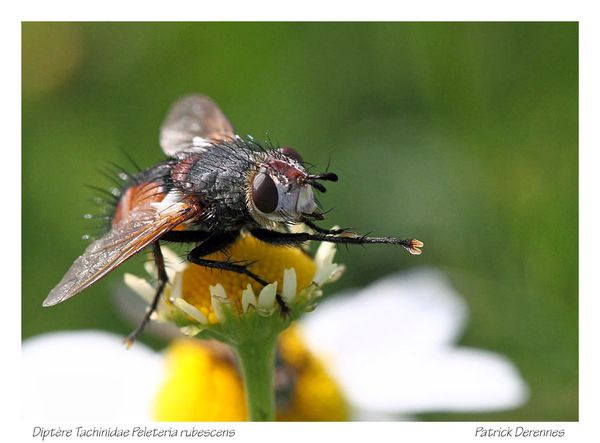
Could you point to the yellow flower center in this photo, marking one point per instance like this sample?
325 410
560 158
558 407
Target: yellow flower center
316 396
203 384
266 261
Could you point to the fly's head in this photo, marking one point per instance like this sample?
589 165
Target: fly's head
281 190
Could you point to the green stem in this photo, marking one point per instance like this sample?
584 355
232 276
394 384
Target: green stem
257 362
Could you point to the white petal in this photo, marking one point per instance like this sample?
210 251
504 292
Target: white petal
417 308
173 262
190 310
336 273
88 375
190 330
325 254
248 298
140 287
321 275
218 296
326 271
460 379
392 348
150 267
177 286
266 298
288 291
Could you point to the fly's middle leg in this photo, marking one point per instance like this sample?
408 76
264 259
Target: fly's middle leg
218 243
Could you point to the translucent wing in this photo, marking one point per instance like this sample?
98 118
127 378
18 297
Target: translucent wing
194 121
140 228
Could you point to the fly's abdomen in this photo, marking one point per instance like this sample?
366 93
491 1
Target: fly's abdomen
137 196
149 186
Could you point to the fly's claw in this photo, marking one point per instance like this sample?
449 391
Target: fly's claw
128 341
413 246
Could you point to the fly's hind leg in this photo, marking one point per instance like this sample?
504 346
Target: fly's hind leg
218 243
162 281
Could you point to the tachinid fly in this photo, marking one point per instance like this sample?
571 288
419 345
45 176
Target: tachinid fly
213 185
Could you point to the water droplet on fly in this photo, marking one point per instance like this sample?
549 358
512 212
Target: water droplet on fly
116 192
123 176
85 237
88 216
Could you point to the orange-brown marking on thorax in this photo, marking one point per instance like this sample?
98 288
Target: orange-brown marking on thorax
137 196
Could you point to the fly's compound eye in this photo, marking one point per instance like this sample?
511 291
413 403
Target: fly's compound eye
291 153
264 193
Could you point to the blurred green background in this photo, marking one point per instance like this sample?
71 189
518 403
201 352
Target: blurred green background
463 135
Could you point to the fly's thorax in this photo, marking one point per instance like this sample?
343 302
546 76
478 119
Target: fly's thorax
216 177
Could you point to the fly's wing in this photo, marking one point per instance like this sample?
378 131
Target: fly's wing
141 227
194 121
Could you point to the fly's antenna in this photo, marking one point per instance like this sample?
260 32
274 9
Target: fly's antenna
326 176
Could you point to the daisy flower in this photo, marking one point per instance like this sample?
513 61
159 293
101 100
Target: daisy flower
236 310
402 360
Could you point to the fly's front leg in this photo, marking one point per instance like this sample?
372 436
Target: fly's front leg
218 243
321 230
162 281
412 245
